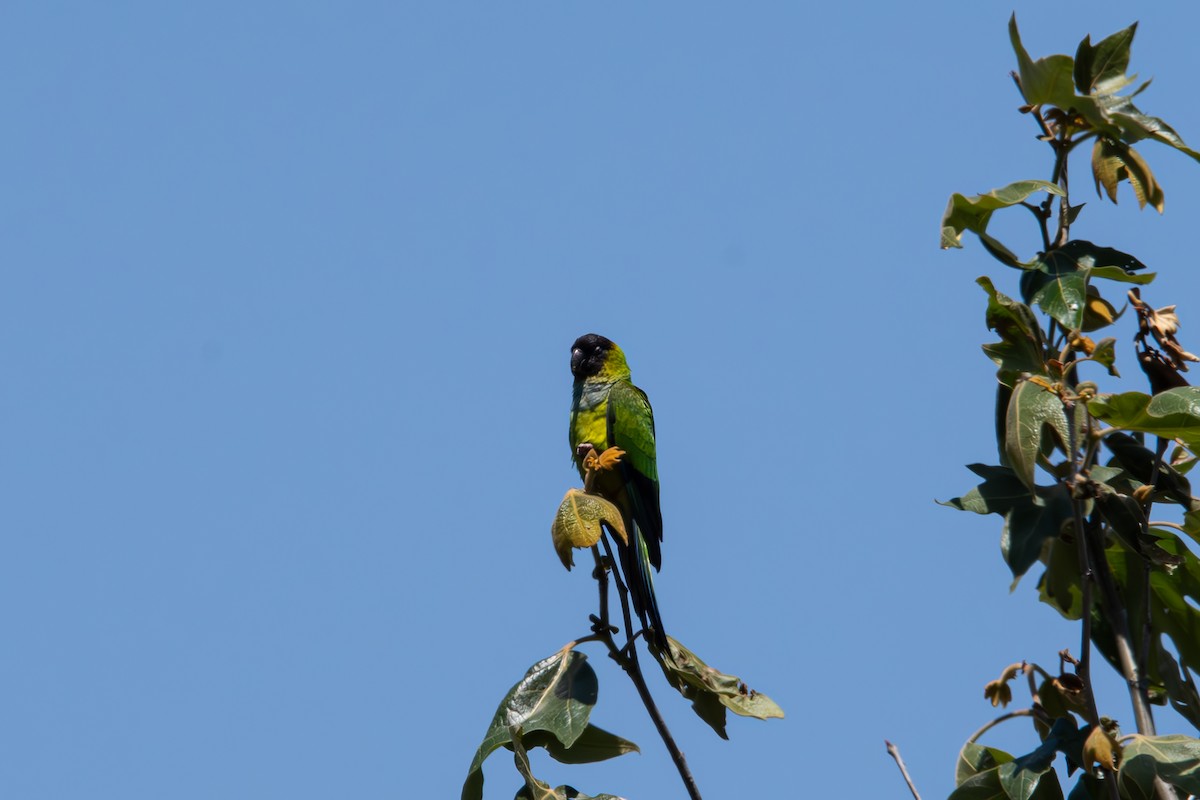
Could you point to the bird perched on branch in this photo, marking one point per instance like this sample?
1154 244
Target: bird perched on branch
607 410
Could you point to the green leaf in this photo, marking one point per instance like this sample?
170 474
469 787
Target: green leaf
1103 474
1030 528
998 251
1063 295
981 786
1030 520
1021 347
1088 788
1103 65
1030 410
1105 354
973 213
1121 276
556 695
1139 461
1058 282
1173 597
1092 256
559 793
1123 514
1047 80
1026 780
1172 414
594 744
1180 685
1029 777
1177 594
711 691
535 789
1060 587
1000 492
975 758
1136 126
1175 759
1057 702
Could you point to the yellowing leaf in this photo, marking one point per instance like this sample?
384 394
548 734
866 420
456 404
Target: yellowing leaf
998 692
579 523
1113 162
1106 168
711 691
1101 749
1098 312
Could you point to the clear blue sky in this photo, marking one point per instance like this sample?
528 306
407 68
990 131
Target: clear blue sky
287 294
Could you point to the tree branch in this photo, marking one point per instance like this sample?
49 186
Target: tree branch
1020 712
628 659
894 752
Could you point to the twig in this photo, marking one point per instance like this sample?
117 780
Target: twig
1020 712
894 752
1143 660
1083 668
1086 575
1118 619
1029 670
1061 150
628 659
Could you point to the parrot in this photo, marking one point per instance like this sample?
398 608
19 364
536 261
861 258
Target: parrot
607 410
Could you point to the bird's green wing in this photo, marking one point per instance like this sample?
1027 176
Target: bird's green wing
631 428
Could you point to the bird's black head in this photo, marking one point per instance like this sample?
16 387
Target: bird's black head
588 355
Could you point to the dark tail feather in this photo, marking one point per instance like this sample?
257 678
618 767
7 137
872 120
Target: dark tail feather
635 566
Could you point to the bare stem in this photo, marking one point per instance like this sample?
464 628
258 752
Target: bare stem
1020 712
1040 214
628 659
1144 649
1061 150
1118 619
1083 668
894 752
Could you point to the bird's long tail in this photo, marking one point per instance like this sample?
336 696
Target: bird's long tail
635 565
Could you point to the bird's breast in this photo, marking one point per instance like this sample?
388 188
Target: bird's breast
589 422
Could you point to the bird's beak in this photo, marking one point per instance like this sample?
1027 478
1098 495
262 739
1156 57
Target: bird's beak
576 360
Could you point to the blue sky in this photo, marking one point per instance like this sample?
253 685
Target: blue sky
287 300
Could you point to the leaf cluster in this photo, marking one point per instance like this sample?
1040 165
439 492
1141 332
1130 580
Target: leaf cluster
712 692
1080 471
989 773
548 708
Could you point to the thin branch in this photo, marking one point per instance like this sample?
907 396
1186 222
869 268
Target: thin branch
628 659
1020 712
591 637
1064 204
1083 668
1118 620
1147 623
894 752
1029 670
1039 213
